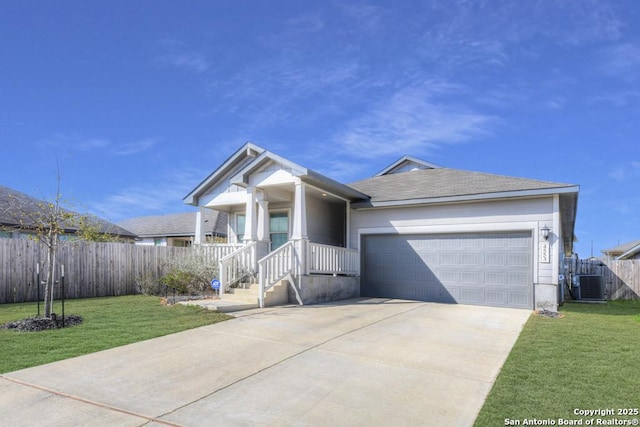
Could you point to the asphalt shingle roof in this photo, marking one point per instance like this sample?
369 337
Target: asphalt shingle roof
179 224
16 207
621 248
444 182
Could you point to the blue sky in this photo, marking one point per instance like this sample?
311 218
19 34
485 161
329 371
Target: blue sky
139 100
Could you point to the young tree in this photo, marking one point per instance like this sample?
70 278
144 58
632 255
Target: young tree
46 221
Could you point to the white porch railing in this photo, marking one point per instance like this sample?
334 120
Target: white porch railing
237 265
220 250
276 266
289 259
326 259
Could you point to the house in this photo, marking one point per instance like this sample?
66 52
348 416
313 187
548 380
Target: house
629 250
415 231
20 213
177 229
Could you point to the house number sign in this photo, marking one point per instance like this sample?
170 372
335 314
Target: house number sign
543 252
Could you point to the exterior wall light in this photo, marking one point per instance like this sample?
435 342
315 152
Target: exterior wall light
545 232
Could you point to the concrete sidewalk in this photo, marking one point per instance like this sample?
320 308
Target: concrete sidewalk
358 362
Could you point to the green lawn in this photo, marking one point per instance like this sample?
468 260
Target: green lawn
590 359
108 322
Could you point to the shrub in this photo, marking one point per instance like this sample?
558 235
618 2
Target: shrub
189 275
147 284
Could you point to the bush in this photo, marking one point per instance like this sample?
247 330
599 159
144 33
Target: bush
189 275
147 284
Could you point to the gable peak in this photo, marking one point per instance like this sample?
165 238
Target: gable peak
407 164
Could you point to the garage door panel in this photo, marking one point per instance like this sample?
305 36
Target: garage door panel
519 260
518 279
495 259
496 278
449 259
470 268
468 296
470 259
496 297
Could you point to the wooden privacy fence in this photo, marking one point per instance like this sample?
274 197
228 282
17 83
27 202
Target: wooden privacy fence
91 269
622 279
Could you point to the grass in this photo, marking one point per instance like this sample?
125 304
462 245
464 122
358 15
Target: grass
108 322
589 359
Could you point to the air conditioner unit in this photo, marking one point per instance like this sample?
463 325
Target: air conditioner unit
591 286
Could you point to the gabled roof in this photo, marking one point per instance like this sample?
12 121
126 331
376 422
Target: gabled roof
439 185
178 224
254 158
407 163
631 252
305 174
17 207
627 250
443 185
248 150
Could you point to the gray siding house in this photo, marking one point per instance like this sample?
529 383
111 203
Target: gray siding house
415 231
19 214
177 229
628 250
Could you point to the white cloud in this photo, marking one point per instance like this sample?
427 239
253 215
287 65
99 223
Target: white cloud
135 147
618 99
622 60
65 142
626 171
191 61
154 197
73 142
412 121
177 54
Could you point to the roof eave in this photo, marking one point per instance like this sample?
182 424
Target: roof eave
323 182
630 253
407 158
467 197
230 162
242 178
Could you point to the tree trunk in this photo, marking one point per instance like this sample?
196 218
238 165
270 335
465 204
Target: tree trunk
51 274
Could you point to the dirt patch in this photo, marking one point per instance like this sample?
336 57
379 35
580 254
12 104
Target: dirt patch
37 324
549 313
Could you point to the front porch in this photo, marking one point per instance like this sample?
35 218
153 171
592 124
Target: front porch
286 224
299 272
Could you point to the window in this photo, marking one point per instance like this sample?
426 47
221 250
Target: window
239 228
278 229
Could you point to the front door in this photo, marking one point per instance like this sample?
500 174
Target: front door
278 229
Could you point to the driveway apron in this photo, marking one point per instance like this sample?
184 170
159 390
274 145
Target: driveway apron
355 362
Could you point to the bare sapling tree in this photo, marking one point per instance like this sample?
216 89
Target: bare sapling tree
46 221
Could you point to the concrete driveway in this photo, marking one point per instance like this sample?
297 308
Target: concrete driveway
357 362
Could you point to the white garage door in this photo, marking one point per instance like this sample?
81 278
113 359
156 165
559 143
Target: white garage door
480 268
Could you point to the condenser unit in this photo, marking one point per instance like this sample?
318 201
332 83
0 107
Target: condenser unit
590 286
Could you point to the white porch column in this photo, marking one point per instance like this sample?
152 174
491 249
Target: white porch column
250 218
263 219
200 233
299 231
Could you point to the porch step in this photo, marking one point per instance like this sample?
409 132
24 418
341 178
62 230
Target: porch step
276 295
238 299
223 306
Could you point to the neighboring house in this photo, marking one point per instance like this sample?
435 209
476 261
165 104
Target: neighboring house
177 229
18 209
629 250
414 231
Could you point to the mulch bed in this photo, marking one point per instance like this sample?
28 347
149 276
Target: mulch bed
37 324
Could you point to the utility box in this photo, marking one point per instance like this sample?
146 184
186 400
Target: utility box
590 286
